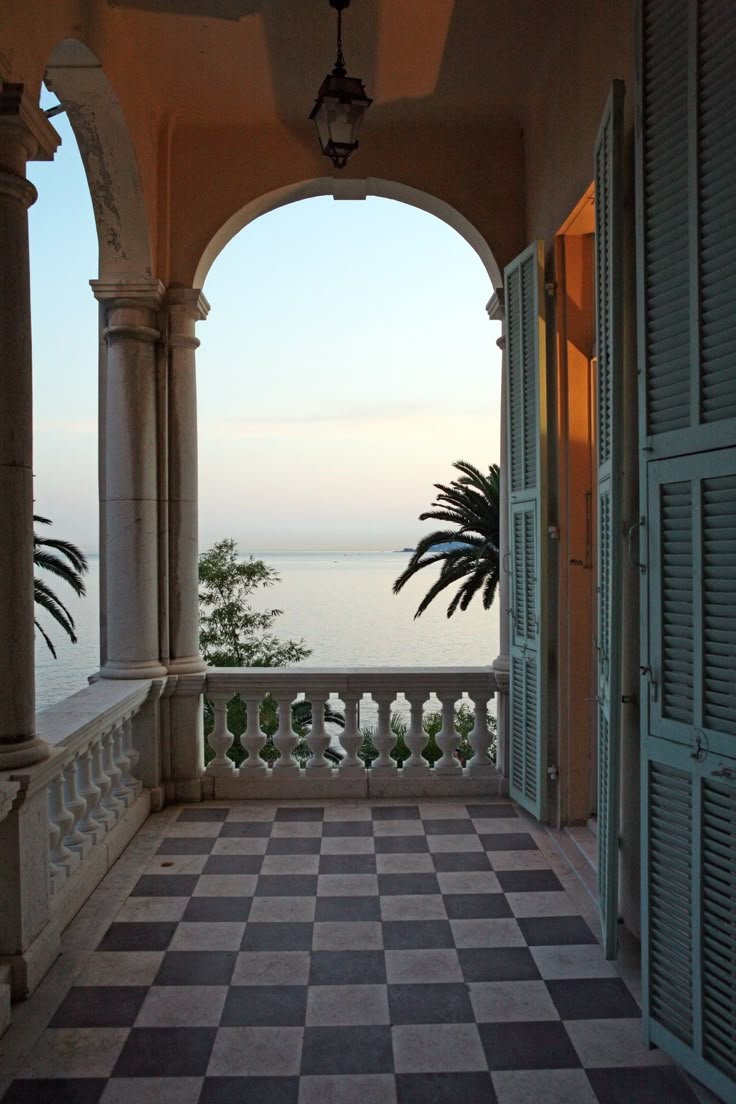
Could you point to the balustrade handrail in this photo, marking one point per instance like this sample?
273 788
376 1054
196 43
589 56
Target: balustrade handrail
69 725
349 685
464 679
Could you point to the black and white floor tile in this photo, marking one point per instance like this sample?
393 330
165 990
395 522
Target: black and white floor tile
348 953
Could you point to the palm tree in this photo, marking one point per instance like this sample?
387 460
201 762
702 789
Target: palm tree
468 554
67 562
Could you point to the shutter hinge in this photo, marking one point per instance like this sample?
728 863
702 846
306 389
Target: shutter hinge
552 772
550 287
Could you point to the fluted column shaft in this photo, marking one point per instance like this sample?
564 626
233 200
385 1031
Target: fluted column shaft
129 439
24 134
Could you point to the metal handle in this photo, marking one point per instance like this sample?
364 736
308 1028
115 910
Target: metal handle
654 688
629 537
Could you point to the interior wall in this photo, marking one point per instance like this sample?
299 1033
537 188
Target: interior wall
589 45
476 170
576 715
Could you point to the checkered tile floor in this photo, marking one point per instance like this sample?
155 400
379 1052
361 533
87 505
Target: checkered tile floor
423 953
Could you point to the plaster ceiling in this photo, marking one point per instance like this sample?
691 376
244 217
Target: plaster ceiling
422 61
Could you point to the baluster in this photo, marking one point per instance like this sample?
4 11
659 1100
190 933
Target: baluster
253 739
318 739
350 737
416 737
57 871
221 738
447 737
133 755
102 811
91 794
122 764
109 799
384 738
480 739
286 738
60 821
75 839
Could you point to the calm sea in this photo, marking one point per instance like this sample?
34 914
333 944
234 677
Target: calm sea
340 603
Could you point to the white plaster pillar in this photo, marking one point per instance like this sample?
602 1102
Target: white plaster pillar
501 663
25 134
129 439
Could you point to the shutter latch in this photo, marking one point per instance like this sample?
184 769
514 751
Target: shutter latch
724 772
652 682
629 534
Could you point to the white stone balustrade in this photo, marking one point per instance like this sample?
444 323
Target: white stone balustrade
72 815
88 776
377 693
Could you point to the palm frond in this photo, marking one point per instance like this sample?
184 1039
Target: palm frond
67 562
45 635
56 566
471 502
44 597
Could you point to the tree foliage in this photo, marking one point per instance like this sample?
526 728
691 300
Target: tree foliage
64 560
232 633
468 554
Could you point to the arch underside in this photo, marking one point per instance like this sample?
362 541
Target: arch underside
349 189
75 75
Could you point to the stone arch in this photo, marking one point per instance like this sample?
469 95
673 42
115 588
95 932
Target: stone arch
75 75
349 189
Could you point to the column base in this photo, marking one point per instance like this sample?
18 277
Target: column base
187 665
135 669
23 754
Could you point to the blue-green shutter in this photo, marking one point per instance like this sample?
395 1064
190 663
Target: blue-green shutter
609 394
689 766
686 242
526 411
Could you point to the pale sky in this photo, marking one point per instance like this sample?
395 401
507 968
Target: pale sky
346 363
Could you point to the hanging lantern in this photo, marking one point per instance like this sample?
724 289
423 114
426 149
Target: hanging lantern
340 106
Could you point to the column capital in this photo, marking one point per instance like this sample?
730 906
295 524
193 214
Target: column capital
188 303
495 306
144 291
26 123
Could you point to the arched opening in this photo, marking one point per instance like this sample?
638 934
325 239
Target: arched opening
349 190
279 452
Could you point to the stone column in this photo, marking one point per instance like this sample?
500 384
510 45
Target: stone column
501 663
130 495
186 307
25 134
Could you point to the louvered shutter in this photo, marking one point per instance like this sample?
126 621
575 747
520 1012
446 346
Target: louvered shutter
526 384
609 383
686 242
689 847
687 225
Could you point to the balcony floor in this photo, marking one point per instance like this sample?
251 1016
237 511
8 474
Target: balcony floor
430 952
